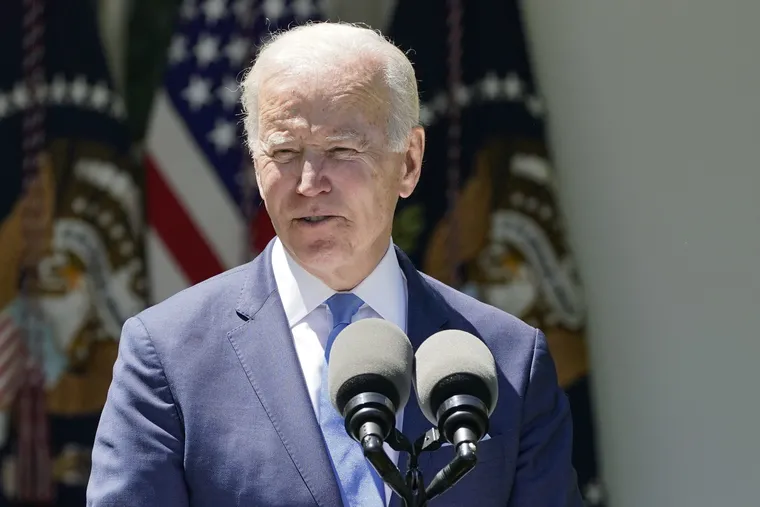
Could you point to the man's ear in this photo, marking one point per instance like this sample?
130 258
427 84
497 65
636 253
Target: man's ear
413 162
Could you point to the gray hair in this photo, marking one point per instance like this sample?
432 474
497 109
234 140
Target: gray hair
319 44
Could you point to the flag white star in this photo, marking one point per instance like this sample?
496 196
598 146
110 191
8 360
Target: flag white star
198 92
426 115
21 96
214 10
177 50
241 7
513 86
243 12
229 92
206 50
274 9
118 109
79 90
58 90
188 9
237 50
462 95
223 136
440 103
5 105
303 9
535 105
490 86
100 96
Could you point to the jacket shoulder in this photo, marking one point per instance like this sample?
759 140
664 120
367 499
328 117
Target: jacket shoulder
212 298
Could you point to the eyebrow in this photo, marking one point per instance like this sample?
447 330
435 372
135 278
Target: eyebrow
276 139
348 135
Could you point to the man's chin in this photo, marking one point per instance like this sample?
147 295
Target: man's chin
319 252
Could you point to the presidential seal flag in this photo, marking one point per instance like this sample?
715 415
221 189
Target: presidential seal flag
203 211
72 257
485 217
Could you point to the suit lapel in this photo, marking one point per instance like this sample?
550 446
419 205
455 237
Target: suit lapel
264 345
427 314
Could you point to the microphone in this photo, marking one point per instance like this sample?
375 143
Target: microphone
457 389
369 378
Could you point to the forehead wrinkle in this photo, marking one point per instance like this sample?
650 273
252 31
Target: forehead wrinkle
327 124
317 108
367 98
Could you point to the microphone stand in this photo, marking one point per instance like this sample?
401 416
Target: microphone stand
412 489
463 420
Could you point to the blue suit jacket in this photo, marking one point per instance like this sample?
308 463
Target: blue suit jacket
208 406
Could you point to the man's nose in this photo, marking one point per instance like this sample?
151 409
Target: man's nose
313 181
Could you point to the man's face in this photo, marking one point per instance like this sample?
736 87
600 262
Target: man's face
327 177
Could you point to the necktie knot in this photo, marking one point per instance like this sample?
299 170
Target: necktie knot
343 307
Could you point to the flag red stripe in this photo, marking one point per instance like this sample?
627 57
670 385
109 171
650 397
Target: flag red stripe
11 350
172 223
12 380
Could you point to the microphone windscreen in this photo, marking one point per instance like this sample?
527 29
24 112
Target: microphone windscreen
454 362
370 355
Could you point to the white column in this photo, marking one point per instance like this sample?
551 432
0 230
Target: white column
655 124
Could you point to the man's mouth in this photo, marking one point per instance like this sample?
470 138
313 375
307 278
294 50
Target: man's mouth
316 219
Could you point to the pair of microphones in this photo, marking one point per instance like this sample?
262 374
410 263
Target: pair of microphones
371 372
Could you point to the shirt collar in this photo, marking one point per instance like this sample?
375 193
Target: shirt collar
384 290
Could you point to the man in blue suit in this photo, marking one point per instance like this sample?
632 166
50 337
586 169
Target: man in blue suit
217 393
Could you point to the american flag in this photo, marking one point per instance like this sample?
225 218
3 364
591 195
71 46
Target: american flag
202 208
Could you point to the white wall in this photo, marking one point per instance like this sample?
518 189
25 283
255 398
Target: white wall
655 123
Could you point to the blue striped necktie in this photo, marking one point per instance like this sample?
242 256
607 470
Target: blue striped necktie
359 483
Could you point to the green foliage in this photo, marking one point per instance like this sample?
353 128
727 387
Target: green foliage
408 224
151 25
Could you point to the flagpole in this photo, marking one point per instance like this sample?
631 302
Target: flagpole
34 472
454 82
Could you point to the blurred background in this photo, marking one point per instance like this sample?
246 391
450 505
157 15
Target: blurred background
591 167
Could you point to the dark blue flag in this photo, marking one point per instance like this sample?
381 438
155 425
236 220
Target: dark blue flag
485 217
72 265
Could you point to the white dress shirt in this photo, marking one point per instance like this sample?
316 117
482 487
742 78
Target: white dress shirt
303 296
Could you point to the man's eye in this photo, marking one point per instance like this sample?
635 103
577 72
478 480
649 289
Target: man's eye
342 150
